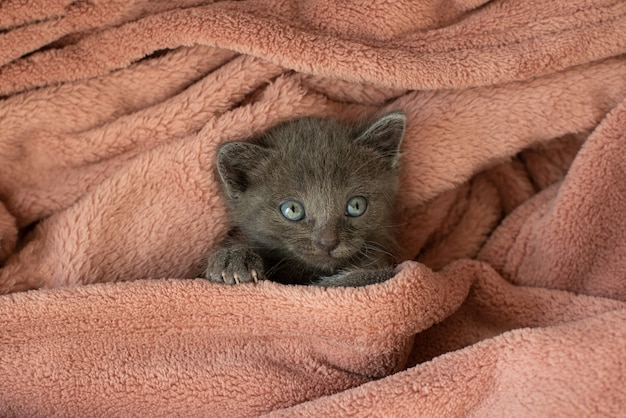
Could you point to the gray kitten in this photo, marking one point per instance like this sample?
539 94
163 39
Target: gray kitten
312 202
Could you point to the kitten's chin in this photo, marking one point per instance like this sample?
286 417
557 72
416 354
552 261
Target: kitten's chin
325 262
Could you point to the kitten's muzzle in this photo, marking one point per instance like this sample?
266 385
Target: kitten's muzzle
327 239
327 244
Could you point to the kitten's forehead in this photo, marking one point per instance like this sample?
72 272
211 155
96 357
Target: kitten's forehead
320 161
324 169
319 147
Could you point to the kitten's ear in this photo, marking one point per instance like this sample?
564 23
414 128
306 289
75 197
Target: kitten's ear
385 135
234 163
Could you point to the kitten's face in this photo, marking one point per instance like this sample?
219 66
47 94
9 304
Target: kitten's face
321 221
316 191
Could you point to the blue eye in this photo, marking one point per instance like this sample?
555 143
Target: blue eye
292 210
356 206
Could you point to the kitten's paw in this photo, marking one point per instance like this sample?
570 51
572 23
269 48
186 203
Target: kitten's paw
234 265
356 278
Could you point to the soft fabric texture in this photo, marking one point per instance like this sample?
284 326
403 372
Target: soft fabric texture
512 210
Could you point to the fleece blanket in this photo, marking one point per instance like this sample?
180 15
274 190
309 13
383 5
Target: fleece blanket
511 297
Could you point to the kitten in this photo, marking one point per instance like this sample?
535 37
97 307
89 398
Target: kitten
312 202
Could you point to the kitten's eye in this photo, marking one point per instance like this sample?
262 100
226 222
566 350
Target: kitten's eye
292 210
356 206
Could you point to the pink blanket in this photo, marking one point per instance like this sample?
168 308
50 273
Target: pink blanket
512 298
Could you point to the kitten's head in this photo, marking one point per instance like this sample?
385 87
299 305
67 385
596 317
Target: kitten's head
317 191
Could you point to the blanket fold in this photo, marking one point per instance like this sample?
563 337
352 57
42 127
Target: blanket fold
573 237
511 210
319 332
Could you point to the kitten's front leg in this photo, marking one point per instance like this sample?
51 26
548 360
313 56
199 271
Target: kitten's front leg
356 278
234 263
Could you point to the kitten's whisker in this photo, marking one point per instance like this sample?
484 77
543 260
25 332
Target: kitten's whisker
375 249
394 225
381 251
276 267
367 256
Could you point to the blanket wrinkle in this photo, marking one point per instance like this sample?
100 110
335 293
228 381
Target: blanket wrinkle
496 375
57 107
233 23
546 163
570 242
389 19
321 341
548 106
510 300
100 151
8 233
475 212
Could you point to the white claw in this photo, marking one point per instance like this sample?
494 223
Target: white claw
255 275
224 276
236 277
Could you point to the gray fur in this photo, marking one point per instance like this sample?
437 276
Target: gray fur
321 163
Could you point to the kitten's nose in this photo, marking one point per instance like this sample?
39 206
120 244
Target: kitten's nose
327 244
327 239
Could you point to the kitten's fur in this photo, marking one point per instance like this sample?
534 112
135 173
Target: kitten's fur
322 164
